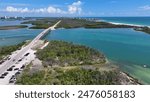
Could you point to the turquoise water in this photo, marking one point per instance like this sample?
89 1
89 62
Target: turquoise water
128 20
12 37
128 48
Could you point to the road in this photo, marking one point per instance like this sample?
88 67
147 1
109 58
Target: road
24 50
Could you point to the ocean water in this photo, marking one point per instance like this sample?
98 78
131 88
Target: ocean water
144 21
128 48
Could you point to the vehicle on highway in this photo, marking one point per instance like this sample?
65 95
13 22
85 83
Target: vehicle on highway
17 73
23 66
19 60
8 58
1 62
10 69
2 77
16 69
5 74
12 79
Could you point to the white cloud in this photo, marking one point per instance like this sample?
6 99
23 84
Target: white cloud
53 10
75 7
78 3
49 9
146 7
13 9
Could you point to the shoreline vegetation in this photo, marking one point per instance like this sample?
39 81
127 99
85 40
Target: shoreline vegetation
7 50
12 27
143 29
72 23
69 23
70 64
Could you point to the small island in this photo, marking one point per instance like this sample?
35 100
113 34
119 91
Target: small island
69 23
12 27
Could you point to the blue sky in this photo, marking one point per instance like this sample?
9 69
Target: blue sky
75 7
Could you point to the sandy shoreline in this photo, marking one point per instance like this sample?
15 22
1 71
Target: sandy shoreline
124 23
128 24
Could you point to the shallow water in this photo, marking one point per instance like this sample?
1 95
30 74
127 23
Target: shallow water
12 37
129 48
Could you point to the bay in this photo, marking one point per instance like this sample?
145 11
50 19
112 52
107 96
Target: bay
127 48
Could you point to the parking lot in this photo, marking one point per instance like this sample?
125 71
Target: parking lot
9 76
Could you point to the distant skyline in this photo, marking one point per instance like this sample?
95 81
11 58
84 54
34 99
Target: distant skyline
53 8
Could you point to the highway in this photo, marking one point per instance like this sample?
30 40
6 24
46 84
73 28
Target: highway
8 63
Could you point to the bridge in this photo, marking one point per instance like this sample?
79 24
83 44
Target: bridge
8 63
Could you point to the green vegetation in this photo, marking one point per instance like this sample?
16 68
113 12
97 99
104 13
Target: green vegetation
106 25
143 29
72 23
75 76
66 54
6 50
41 23
12 27
69 64
77 23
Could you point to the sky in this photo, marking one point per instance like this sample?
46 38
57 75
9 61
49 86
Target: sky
63 8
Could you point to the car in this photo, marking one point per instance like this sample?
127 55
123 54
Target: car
26 54
1 62
2 77
17 73
10 69
23 66
8 58
19 60
14 60
12 79
16 69
13 66
5 74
